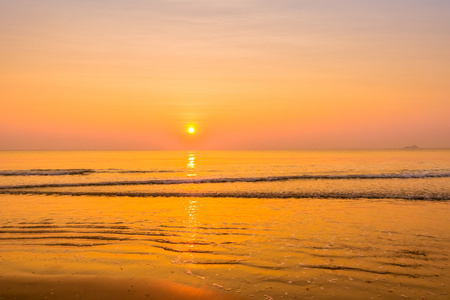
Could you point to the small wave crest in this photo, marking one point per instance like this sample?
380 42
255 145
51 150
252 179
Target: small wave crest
46 172
256 195
233 179
62 172
120 171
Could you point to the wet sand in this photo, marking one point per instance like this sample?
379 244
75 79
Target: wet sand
222 248
99 288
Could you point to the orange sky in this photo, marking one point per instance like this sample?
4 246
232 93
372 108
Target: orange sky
256 74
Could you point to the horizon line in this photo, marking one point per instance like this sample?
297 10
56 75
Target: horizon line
181 150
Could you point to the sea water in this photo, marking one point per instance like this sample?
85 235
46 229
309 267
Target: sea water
280 225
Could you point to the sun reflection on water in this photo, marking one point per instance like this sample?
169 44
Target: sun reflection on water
191 209
190 166
191 206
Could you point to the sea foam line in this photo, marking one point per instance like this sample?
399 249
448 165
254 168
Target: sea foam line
61 172
235 179
257 195
46 172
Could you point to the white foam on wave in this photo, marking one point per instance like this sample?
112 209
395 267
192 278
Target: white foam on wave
226 179
61 172
430 196
45 172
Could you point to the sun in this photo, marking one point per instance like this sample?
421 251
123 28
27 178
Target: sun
191 130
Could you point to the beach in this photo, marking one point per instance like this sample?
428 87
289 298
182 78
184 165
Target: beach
93 287
112 229
224 150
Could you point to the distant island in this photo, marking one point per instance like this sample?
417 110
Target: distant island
412 147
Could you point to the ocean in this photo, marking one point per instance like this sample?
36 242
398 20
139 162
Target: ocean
355 224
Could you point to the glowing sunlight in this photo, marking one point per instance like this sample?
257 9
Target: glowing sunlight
191 130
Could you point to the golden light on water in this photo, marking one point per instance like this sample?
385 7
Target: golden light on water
190 166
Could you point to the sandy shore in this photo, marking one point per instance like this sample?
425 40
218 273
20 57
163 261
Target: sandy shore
198 248
95 287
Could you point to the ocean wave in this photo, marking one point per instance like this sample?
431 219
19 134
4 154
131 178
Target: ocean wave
46 172
238 179
62 172
81 245
261 195
141 171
